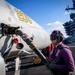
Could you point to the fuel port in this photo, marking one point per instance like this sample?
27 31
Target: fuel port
19 46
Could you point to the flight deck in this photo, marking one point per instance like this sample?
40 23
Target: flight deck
29 68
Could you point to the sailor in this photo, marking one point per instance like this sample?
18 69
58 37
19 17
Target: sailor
62 62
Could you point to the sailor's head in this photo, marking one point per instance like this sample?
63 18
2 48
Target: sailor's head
56 36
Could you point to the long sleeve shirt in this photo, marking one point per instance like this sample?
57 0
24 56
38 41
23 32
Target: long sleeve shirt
63 57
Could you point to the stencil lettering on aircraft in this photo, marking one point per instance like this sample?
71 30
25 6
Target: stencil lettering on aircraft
22 16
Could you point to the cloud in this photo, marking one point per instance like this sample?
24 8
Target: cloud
66 13
57 25
54 23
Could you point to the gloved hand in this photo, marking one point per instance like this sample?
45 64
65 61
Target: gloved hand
51 66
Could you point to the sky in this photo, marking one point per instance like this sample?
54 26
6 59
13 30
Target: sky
50 14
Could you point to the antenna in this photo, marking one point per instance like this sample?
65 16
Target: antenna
73 4
73 8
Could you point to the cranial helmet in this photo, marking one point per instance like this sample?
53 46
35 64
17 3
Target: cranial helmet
56 34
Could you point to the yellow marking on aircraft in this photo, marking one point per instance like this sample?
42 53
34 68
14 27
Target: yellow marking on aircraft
22 16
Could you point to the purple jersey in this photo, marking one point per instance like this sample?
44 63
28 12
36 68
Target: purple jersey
63 56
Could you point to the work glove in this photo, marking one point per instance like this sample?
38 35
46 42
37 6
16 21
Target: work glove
51 66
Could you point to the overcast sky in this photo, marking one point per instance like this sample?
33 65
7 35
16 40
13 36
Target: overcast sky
50 14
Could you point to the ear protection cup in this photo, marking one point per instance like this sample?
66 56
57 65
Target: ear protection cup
60 36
